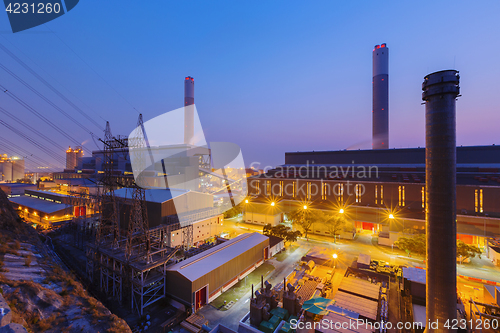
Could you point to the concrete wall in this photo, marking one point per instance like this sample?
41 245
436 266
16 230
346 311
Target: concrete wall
202 230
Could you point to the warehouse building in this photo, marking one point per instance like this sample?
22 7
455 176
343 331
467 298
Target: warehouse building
202 278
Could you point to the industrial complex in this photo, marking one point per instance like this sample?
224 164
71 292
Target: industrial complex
177 235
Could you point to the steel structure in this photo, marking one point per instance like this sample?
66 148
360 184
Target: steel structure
132 265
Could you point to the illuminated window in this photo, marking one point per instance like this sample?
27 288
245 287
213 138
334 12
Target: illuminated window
401 196
423 197
341 193
478 201
308 191
323 191
381 194
281 188
376 194
268 187
357 190
293 190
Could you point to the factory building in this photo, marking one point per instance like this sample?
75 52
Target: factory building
43 208
200 279
16 189
380 83
11 168
369 185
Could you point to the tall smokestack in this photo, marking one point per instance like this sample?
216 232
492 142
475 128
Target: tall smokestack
188 110
380 110
440 90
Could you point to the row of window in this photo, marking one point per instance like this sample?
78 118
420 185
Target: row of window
338 191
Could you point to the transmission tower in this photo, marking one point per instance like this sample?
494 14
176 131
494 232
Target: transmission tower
138 227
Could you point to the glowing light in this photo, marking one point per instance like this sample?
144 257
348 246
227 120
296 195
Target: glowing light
391 216
246 201
335 256
305 207
272 203
341 211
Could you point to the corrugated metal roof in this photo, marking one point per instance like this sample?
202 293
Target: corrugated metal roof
360 287
205 262
39 204
414 274
365 307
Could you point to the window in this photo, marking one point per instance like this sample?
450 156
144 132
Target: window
268 187
381 194
341 193
357 190
478 201
323 191
423 197
401 195
293 190
308 196
376 194
281 188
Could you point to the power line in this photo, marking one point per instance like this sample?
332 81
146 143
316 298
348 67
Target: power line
34 130
32 141
26 154
39 115
45 98
54 79
62 41
48 85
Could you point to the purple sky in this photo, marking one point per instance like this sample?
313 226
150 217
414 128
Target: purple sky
271 76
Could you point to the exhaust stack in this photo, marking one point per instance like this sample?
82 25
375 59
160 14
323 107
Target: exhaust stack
440 90
188 110
380 112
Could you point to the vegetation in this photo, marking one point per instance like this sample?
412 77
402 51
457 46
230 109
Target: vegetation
412 245
233 212
417 245
282 231
465 251
305 218
334 224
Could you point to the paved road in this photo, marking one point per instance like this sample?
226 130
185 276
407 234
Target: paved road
347 250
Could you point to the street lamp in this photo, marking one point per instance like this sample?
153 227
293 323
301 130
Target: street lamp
272 203
335 256
341 211
246 201
305 207
391 216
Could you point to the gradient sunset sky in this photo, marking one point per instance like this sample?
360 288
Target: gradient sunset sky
272 76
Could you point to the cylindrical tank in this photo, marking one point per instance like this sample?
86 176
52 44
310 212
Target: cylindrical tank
7 171
188 110
380 112
440 90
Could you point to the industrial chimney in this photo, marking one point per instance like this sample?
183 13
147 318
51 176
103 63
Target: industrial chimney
380 112
440 90
188 110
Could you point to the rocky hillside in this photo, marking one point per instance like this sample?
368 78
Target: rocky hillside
36 292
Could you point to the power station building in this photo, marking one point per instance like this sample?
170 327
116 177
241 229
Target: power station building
369 185
200 279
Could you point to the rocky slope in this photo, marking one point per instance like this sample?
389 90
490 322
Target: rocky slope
41 296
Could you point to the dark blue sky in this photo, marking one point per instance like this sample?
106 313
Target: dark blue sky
271 76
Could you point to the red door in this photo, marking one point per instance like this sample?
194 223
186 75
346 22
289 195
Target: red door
266 253
200 298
